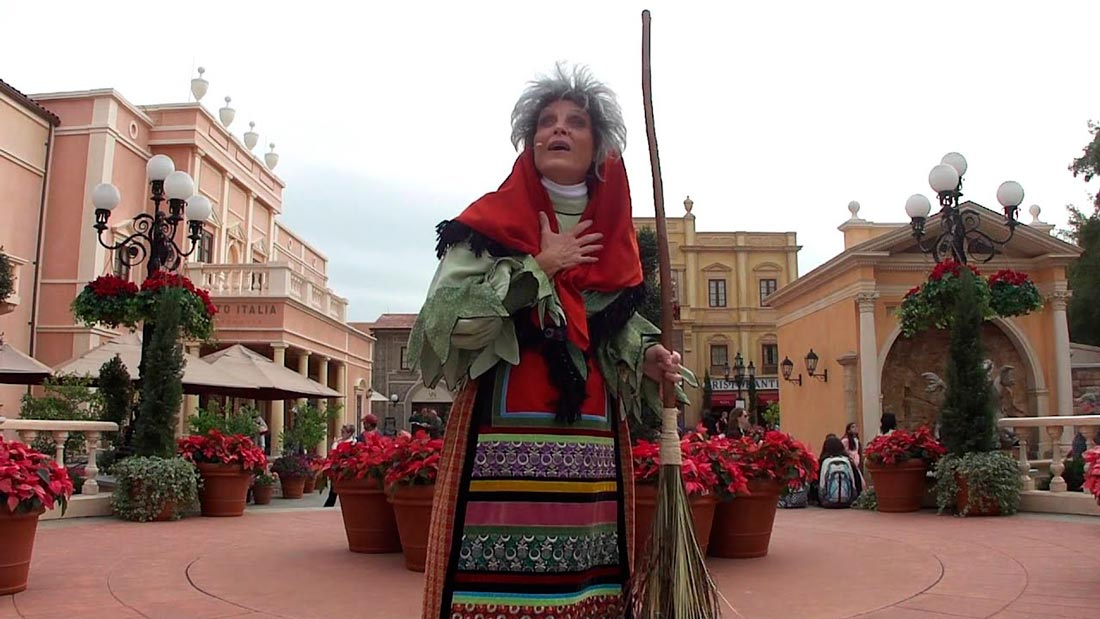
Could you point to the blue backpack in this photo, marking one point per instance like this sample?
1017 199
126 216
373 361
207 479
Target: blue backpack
836 484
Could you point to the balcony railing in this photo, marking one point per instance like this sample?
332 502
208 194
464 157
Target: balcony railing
1055 428
270 279
30 429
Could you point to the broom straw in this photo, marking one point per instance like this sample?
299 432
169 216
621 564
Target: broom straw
672 581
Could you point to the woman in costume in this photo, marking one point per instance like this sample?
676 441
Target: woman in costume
531 318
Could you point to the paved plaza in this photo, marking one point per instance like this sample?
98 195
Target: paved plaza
294 564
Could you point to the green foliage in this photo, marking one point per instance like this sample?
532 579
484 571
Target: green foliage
162 383
65 398
264 479
117 391
7 276
1088 164
212 417
650 308
146 485
968 418
771 415
309 428
868 500
991 477
1084 278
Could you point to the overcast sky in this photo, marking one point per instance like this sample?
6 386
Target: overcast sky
392 116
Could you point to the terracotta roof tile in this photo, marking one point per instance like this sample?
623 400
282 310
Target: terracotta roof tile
394 321
29 103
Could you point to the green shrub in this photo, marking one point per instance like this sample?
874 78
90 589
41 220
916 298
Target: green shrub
117 391
991 477
866 500
66 398
7 276
162 381
212 417
145 485
309 429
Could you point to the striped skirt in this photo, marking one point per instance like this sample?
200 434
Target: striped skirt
530 520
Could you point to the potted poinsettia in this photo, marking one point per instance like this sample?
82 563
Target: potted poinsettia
226 464
898 463
410 481
356 471
30 484
776 464
700 483
315 463
293 471
1092 476
108 300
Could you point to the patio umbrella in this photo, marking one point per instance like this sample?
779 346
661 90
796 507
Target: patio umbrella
198 376
17 368
274 381
378 397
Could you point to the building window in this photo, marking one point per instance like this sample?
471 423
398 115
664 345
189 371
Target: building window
120 268
719 355
404 358
769 354
717 292
206 247
767 286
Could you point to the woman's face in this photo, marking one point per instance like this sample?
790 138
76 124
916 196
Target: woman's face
564 144
851 429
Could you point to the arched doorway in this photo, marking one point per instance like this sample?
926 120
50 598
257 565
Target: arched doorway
421 397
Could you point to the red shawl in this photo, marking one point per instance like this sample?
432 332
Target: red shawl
509 216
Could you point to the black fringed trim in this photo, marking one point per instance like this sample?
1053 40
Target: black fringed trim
570 383
606 323
451 232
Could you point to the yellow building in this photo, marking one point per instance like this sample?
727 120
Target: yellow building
845 310
721 280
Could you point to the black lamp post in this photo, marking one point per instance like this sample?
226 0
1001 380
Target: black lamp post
960 236
154 236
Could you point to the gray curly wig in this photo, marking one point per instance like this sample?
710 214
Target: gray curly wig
578 86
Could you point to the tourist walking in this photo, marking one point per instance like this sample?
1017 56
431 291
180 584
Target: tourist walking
531 317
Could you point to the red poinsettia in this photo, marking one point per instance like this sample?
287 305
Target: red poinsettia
112 286
415 460
695 467
164 279
1010 277
31 481
217 448
778 457
1092 477
369 458
902 445
952 267
912 291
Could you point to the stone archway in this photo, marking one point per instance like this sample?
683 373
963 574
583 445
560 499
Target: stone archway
420 397
910 369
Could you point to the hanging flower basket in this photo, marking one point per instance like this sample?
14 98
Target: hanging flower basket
1013 294
932 304
108 300
197 310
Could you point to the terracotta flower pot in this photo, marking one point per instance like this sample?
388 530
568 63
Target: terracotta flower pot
310 484
368 517
743 526
412 507
899 487
224 489
292 487
16 546
645 507
982 508
261 495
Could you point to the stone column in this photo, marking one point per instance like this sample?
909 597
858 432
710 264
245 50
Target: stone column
868 362
190 402
342 387
303 369
278 412
1063 374
851 400
322 405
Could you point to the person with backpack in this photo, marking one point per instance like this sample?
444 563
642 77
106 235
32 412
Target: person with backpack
839 481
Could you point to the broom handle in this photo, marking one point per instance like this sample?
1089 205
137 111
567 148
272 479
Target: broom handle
668 390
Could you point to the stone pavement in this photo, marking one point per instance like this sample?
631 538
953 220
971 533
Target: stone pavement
294 564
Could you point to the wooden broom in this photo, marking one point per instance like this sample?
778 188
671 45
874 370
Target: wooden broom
671 580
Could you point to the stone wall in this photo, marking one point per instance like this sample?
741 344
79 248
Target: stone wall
916 399
1086 379
388 378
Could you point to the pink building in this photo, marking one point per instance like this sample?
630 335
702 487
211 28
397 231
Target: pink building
270 285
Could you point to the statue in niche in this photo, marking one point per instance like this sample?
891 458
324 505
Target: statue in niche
1001 382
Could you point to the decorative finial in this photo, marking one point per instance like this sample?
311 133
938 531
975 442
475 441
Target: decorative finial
227 114
271 158
688 203
251 138
1035 210
853 208
199 85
